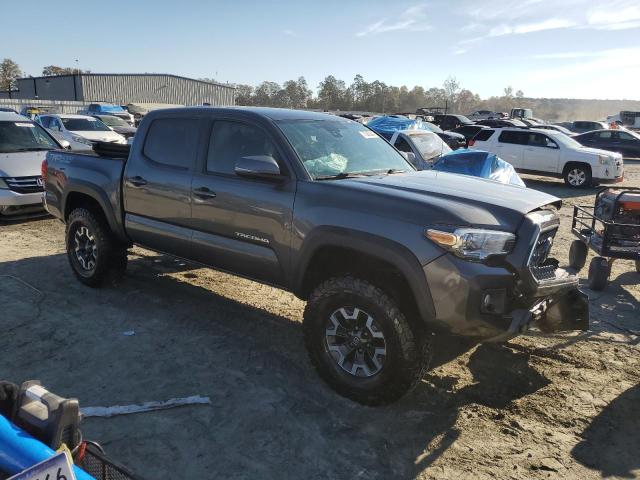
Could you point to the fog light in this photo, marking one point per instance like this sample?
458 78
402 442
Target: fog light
494 301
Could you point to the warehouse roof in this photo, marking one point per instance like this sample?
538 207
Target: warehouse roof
128 75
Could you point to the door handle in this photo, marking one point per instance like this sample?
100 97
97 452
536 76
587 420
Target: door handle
137 181
204 192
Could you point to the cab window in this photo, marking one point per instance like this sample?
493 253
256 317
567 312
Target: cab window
402 145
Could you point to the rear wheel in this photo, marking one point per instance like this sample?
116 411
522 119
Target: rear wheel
578 254
93 253
360 342
577 175
599 271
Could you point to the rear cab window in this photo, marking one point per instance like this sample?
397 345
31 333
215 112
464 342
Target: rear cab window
172 142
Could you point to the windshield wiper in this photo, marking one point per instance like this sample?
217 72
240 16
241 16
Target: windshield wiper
32 149
339 176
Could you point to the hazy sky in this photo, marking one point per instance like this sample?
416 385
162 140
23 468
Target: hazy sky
566 48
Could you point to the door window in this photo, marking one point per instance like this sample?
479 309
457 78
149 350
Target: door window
541 140
45 121
172 142
625 136
509 136
231 141
605 135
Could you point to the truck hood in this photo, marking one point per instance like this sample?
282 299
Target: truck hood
109 136
453 198
21 164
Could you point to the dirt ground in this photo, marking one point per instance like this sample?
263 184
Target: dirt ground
563 406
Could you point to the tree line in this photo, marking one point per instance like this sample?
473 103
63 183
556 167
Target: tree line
375 96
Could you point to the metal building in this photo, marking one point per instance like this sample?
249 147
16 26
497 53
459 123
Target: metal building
124 88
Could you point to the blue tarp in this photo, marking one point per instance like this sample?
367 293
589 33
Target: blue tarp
390 124
478 164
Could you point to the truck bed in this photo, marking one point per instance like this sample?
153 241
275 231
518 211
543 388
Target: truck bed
94 174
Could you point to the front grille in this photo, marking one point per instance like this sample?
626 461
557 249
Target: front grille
25 184
542 248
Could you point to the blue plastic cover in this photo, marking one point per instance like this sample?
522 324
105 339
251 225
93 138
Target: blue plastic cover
478 164
389 124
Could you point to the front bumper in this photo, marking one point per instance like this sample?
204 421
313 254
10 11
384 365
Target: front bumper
9 198
491 302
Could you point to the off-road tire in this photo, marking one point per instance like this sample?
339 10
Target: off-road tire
408 351
111 258
574 167
578 254
599 271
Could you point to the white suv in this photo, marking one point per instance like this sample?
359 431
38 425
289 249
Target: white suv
549 153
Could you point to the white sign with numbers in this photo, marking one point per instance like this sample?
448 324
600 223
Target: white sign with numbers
57 467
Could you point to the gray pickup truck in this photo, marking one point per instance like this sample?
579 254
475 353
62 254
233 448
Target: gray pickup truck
385 256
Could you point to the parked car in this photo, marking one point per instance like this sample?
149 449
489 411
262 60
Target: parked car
557 128
117 125
531 122
23 146
468 131
582 126
80 129
521 113
449 122
108 109
321 206
32 112
505 122
422 146
484 115
549 153
454 140
626 143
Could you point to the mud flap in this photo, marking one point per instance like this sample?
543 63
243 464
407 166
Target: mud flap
565 312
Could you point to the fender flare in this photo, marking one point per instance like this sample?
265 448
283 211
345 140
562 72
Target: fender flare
86 188
381 248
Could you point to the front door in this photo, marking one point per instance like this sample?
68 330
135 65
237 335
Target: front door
541 153
157 185
242 224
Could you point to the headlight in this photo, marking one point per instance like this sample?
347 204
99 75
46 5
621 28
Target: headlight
606 160
79 139
473 243
3 185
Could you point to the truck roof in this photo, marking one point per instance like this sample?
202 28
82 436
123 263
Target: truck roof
13 117
267 112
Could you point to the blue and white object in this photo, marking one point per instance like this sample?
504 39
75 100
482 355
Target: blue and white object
481 164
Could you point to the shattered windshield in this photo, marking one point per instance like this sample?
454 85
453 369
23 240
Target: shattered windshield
334 147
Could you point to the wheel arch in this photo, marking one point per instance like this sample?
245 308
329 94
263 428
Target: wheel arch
387 264
98 202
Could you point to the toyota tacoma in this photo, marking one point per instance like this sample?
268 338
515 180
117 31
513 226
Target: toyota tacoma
385 256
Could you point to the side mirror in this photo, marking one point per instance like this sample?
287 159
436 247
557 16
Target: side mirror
258 166
65 144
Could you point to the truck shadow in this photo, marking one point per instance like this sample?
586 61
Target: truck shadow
267 402
611 443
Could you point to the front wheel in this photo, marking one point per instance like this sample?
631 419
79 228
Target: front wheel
93 253
577 176
360 342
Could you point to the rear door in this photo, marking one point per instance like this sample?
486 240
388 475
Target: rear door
510 146
541 153
157 184
242 224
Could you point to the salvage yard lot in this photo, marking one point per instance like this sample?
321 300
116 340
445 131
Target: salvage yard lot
539 407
